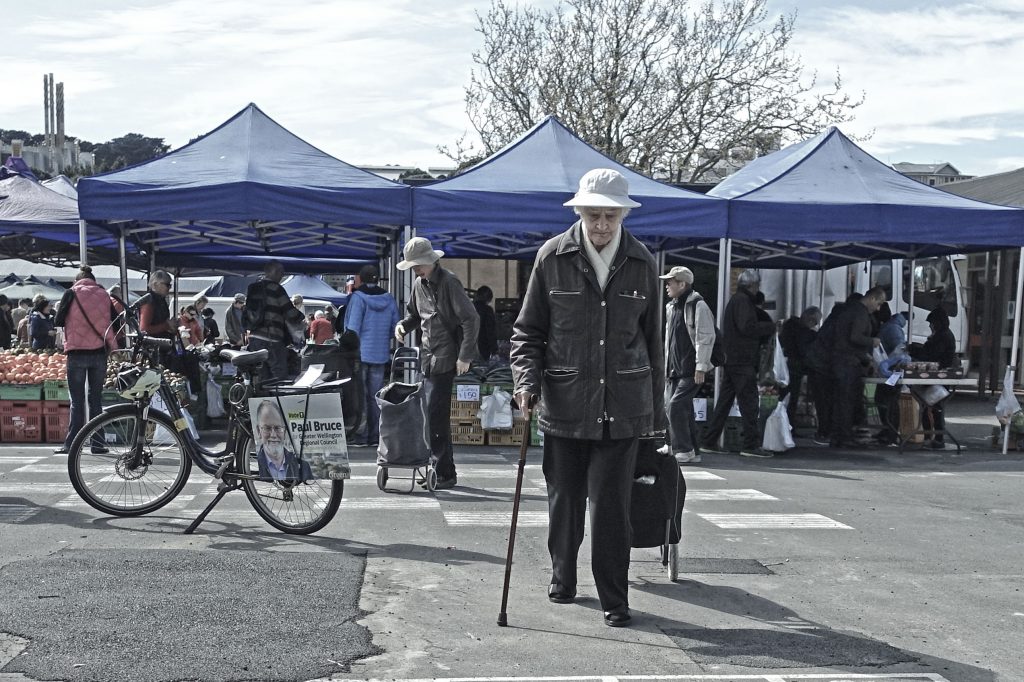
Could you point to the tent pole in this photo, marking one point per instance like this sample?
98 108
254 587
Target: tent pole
821 293
1015 344
910 302
724 262
83 243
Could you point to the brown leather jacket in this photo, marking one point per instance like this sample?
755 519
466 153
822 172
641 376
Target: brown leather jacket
595 358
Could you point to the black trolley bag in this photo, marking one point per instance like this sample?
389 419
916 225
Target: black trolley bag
656 509
404 425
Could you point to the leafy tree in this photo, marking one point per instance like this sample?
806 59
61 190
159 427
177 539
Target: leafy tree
414 173
656 85
127 150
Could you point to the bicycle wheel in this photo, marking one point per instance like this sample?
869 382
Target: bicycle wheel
298 507
112 478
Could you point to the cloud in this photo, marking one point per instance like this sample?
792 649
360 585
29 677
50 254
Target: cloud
925 71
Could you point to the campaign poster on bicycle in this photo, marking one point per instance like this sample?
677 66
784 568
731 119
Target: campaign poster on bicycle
300 436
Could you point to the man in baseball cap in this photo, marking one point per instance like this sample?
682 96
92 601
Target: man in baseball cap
448 324
689 339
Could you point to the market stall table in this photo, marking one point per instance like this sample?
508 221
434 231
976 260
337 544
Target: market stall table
951 384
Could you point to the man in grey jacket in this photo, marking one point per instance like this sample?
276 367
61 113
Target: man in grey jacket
689 339
588 343
447 321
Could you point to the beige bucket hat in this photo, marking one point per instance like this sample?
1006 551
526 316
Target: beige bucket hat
418 251
603 187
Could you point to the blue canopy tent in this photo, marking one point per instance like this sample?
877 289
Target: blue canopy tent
510 203
826 202
39 224
195 265
249 187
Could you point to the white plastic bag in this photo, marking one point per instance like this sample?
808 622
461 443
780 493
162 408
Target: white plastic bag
1008 404
778 436
779 366
496 410
878 355
214 399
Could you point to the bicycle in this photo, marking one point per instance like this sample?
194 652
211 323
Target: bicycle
132 459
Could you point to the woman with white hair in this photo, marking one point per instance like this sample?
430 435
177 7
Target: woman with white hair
320 329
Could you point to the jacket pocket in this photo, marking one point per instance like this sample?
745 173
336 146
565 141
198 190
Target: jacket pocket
561 394
633 296
566 312
631 393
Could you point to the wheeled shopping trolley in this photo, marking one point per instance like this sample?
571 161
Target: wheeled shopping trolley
404 425
656 511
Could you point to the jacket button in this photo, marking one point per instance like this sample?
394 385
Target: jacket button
602 381
599 420
604 303
601 342
611 419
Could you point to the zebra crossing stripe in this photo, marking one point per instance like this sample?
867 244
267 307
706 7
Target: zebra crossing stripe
60 469
35 486
17 459
697 475
495 519
741 494
773 521
756 677
391 503
17 513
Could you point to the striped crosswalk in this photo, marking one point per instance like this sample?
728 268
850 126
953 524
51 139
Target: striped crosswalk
480 500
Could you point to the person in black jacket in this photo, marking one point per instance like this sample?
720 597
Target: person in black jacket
742 335
487 340
6 322
851 351
796 337
939 347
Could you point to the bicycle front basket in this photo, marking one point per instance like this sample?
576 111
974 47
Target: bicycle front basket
136 382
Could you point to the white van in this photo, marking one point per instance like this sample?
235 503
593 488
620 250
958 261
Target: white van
937 281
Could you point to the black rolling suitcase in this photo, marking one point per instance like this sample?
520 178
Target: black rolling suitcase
656 510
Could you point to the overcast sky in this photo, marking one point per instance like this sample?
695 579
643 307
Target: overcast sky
381 81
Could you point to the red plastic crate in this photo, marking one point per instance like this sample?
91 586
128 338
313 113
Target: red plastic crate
21 428
55 407
57 426
6 407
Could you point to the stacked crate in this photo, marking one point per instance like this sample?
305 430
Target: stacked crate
465 425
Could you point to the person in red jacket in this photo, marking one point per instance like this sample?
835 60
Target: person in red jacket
86 314
321 329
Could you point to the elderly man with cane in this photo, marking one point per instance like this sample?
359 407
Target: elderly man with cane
588 343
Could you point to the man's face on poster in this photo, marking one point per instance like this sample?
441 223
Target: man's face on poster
272 434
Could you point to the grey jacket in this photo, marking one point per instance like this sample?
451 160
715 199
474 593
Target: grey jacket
443 313
696 317
595 358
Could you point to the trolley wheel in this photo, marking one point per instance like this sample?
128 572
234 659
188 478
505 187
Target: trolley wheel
673 562
382 477
431 479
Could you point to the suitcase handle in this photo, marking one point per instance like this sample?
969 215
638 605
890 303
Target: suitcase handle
405 358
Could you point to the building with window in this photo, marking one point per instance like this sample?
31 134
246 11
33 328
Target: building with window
931 174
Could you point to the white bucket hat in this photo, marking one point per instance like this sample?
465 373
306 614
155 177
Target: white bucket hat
680 274
603 187
418 251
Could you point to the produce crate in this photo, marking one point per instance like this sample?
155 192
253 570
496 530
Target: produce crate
21 391
513 436
111 396
56 389
464 410
54 407
467 432
536 435
56 426
23 425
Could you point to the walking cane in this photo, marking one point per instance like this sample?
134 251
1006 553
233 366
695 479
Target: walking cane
503 615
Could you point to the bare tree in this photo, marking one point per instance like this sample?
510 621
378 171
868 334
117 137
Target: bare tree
658 86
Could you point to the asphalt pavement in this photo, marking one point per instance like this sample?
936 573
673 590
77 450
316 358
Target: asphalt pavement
816 564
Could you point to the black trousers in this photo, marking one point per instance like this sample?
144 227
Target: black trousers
822 385
887 400
849 393
603 471
796 377
438 393
682 425
739 382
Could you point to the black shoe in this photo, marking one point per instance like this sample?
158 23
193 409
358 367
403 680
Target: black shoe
100 449
559 595
446 483
618 618
62 450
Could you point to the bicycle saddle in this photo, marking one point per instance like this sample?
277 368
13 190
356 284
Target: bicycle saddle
245 358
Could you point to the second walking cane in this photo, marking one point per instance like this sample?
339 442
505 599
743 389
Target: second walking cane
503 615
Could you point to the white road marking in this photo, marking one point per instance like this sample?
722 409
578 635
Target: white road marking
698 475
15 459
391 503
773 521
16 513
35 486
495 519
724 494
763 677
59 469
